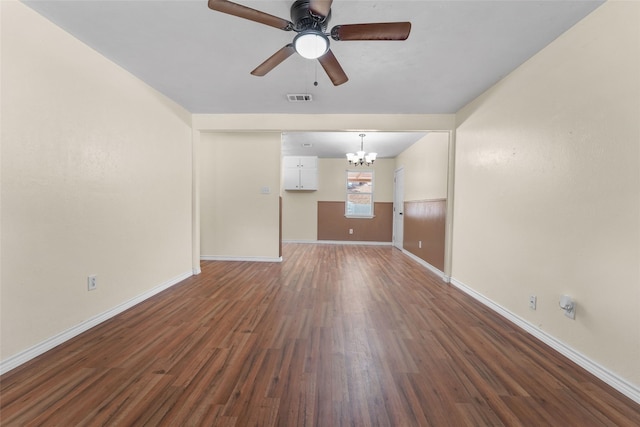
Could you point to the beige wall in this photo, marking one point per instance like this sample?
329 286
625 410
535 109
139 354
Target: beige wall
547 197
299 209
425 166
236 219
332 179
300 213
96 179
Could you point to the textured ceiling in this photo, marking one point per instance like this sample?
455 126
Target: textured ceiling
337 144
201 59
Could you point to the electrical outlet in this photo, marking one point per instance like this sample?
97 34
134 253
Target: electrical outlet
351 231
533 301
419 244
92 283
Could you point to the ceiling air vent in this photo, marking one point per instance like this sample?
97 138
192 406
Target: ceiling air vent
299 97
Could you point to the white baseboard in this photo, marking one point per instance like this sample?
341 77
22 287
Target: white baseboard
38 349
630 390
339 242
424 263
251 259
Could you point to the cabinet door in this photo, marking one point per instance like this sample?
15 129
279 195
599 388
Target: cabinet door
291 179
308 179
290 162
308 162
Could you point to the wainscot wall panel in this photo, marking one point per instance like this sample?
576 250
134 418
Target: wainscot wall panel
333 225
424 230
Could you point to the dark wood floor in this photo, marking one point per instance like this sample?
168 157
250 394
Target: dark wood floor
334 335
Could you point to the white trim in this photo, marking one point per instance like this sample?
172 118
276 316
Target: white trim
346 194
630 390
424 263
398 203
352 242
231 258
197 271
54 341
339 242
196 143
450 202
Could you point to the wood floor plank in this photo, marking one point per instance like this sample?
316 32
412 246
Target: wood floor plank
335 335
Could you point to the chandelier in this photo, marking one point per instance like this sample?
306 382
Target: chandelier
360 157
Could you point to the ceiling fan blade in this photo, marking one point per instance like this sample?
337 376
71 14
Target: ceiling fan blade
333 68
378 31
320 7
240 11
274 60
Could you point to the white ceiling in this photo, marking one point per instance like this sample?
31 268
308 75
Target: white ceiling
337 144
201 59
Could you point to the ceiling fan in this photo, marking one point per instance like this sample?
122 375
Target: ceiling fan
309 19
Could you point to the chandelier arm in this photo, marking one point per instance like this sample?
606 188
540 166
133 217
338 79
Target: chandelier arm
361 157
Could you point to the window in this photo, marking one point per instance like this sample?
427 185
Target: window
359 194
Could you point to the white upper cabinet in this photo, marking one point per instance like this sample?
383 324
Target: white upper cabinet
300 172
309 162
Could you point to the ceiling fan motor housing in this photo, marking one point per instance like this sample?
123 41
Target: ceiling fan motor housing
304 19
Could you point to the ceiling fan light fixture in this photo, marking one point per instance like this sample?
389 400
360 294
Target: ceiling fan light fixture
311 44
310 20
